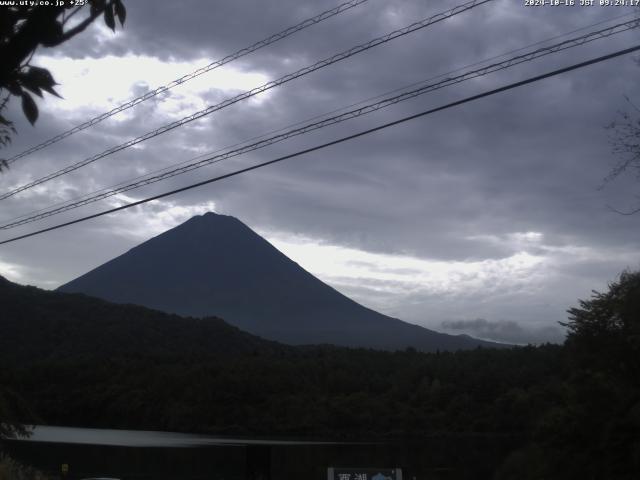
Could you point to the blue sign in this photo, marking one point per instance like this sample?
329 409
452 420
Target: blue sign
336 473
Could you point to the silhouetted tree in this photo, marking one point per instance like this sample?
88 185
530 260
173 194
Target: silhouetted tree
606 328
595 434
11 408
22 30
625 143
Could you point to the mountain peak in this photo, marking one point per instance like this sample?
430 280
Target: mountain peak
214 265
210 217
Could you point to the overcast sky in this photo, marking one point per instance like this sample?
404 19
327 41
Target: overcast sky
484 219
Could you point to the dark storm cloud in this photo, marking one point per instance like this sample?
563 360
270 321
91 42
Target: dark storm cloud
454 186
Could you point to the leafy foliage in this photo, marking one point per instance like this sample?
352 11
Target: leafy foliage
124 365
593 432
12 470
568 412
23 28
605 331
12 409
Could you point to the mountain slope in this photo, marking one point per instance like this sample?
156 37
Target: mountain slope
215 265
39 324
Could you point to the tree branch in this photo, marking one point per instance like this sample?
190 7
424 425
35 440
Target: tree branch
627 213
79 28
68 17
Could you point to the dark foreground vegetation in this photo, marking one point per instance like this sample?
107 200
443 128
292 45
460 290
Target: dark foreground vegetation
12 470
570 411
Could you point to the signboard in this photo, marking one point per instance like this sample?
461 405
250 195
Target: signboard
336 473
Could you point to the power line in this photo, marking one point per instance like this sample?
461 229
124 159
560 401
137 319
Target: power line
262 88
366 109
196 73
82 200
301 122
339 140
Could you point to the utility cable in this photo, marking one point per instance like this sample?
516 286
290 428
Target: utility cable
366 109
196 73
255 91
337 141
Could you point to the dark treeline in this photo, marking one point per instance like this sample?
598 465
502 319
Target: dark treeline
315 391
571 411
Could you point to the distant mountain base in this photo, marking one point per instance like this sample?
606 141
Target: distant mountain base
214 265
39 325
